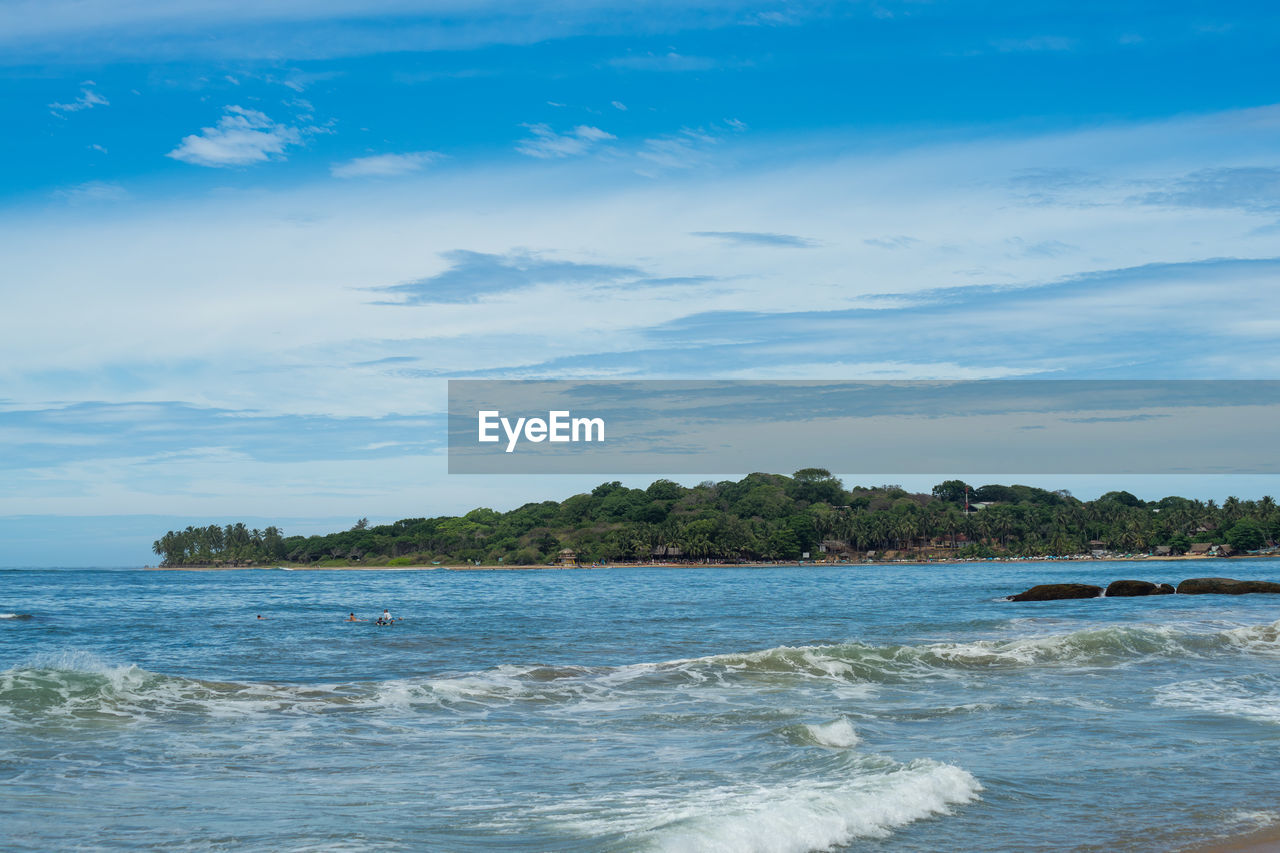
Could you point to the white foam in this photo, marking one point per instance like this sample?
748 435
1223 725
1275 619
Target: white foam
1258 818
837 733
1254 697
1255 638
793 817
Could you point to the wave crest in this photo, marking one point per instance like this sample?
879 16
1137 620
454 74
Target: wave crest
872 796
76 684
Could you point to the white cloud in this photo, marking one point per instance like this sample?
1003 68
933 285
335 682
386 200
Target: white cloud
179 272
91 191
241 137
81 31
384 165
88 100
682 150
618 105
545 143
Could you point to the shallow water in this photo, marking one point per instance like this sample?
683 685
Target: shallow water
782 709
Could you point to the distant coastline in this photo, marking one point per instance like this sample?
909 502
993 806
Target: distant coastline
762 519
362 567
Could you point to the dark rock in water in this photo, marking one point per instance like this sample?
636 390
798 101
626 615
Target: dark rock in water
1225 586
1057 591
1128 589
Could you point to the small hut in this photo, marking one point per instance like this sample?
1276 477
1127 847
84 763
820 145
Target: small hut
567 557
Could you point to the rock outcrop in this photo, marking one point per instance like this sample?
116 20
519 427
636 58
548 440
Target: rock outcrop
1225 586
1057 592
1129 589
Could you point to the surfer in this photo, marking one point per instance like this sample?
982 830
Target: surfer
385 618
351 617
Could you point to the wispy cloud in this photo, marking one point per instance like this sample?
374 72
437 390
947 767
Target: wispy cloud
1052 185
91 191
240 138
683 150
687 148
670 61
1020 248
391 359
384 165
896 241
49 435
546 143
475 274
758 238
975 332
88 100
1252 188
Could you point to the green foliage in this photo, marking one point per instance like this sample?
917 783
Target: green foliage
1122 498
783 545
816 485
996 494
952 491
665 490
1246 535
760 517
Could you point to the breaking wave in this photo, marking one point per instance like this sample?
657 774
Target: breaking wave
77 685
870 796
838 734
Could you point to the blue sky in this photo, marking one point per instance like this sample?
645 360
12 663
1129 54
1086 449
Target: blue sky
246 243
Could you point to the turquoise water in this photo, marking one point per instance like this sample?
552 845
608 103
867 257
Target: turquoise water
784 709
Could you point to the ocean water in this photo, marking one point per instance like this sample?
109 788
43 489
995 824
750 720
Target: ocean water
887 708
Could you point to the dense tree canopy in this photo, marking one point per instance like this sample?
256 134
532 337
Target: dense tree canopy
760 517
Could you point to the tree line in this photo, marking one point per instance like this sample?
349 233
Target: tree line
760 517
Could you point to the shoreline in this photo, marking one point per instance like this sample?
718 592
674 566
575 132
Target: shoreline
690 565
1263 840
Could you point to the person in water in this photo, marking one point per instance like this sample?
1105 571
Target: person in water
351 617
385 618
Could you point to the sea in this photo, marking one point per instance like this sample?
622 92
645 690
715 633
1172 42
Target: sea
781 709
